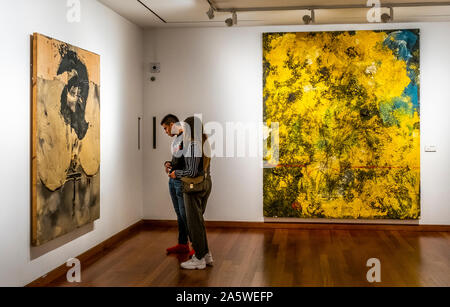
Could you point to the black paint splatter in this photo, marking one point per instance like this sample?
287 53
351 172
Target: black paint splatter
75 93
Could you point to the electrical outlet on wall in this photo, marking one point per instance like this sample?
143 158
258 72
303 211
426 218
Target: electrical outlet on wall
430 148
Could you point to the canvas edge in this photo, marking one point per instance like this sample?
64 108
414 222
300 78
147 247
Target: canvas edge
34 42
62 42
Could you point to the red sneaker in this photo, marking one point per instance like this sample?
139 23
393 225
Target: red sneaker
178 249
192 253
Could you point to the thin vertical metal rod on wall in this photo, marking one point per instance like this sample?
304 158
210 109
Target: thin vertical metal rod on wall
139 133
154 132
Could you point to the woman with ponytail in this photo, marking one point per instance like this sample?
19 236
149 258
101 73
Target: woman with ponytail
197 186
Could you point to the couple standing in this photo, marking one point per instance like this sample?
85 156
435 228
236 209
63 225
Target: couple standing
189 186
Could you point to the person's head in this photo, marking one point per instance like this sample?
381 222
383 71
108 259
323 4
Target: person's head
193 128
194 132
170 125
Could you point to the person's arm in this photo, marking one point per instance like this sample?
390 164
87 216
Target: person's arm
167 166
192 161
175 152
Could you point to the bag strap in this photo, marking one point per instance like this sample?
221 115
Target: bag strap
206 159
206 163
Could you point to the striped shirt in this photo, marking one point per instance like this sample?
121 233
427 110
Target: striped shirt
192 159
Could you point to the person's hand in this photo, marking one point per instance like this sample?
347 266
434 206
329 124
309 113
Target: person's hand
172 175
167 166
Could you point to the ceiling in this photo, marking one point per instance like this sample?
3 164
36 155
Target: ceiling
185 13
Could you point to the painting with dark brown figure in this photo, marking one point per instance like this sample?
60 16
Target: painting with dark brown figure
65 138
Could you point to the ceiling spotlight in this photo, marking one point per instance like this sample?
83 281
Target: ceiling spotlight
210 13
385 17
231 21
307 19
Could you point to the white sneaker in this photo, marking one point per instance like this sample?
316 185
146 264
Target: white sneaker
209 259
194 264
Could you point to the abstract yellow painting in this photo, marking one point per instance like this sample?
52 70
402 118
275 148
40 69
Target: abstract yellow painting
347 106
65 140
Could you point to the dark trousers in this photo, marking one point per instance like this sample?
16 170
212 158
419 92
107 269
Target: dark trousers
176 193
195 208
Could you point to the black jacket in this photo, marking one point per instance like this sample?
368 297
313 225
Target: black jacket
177 160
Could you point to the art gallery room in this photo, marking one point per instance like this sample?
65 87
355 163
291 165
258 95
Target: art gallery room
225 143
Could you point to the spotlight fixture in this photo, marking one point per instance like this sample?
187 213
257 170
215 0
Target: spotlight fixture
385 17
307 19
231 21
210 13
234 17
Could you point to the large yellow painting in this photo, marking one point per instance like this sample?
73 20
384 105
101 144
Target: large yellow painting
347 105
65 165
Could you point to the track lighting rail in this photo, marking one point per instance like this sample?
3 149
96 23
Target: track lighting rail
322 7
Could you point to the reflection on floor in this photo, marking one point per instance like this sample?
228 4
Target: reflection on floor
276 257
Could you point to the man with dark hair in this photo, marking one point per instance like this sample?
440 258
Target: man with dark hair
168 121
173 128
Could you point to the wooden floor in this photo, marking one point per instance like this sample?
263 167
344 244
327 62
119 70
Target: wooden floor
276 257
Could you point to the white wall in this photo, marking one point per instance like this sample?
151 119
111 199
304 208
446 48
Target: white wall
120 46
218 72
215 71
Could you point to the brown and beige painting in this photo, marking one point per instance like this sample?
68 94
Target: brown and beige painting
65 138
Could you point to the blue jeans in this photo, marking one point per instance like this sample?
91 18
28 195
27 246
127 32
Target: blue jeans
176 193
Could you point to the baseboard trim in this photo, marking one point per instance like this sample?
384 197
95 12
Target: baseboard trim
299 225
96 252
88 256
